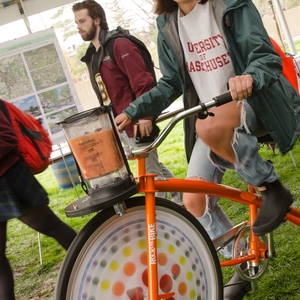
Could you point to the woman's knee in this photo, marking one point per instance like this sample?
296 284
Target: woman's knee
212 135
212 130
195 203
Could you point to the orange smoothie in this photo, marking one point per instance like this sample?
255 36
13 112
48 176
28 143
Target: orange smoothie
97 153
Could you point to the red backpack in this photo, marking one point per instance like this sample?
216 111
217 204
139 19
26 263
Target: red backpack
34 144
288 66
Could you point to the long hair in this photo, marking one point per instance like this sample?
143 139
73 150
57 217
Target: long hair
95 11
168 6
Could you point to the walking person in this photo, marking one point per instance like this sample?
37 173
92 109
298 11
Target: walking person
205 48
124 79
22 197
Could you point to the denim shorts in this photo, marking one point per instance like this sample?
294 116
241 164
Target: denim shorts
249 165
250 121
201 166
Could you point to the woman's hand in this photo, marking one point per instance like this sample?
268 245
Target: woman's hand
122 121
240 87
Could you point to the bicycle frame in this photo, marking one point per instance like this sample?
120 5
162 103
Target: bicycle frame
148 185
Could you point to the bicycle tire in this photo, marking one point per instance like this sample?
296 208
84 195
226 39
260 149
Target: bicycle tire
110 249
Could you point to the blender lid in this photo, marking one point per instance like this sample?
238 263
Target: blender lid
88 113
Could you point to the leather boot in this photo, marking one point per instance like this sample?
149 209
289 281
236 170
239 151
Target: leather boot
275 203
236 288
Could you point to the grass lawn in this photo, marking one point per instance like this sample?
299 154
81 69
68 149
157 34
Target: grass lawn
35 281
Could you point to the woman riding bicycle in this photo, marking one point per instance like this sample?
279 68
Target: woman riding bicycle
206 48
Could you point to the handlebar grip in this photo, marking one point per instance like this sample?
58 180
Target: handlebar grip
222 99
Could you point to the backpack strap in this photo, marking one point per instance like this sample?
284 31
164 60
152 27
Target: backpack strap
227 21
122 33
109 49
110 39
4 109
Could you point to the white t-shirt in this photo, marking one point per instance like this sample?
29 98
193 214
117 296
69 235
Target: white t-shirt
207 59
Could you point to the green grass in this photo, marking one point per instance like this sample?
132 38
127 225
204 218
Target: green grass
35 281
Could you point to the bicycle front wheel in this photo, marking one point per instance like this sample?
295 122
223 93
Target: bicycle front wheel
108 258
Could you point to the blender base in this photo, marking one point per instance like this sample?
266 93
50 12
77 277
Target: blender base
97 200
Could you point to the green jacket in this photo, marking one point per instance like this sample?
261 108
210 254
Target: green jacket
274 101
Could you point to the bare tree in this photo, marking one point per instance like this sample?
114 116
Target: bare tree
134 15
146 15
119 14
63 23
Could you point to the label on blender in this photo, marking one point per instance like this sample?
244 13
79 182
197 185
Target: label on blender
97 153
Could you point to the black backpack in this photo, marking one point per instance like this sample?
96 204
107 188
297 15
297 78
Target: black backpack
122 33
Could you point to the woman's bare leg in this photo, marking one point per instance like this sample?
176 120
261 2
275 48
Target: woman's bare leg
217 132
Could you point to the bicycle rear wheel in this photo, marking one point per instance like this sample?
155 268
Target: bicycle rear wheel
107 260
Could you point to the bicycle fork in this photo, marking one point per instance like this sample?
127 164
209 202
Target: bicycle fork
147 186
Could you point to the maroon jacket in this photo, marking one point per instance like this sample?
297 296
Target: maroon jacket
8 145
125 80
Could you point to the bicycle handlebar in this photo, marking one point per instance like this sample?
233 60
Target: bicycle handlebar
203 107
222 99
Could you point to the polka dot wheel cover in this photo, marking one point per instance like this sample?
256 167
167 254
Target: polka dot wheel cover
116 267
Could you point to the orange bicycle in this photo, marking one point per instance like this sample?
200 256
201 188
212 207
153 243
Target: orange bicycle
142 247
